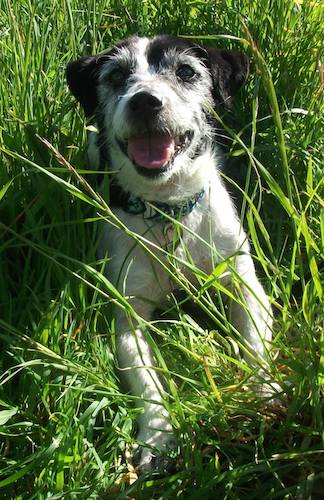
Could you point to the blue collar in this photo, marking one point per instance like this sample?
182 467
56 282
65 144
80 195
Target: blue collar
151 210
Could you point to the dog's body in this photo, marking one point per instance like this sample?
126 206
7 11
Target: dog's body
152 100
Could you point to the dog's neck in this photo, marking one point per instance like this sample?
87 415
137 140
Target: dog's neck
153 210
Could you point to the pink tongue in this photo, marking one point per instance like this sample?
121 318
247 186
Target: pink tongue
151 151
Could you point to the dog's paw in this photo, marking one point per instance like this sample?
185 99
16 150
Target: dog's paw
153 462
267 389
156 454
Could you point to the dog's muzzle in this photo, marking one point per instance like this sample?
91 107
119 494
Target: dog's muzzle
151 150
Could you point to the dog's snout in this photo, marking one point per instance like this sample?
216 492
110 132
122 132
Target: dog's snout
146 103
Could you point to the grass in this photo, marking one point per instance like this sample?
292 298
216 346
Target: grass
66 427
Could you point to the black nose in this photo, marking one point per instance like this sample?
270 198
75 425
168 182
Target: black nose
146 103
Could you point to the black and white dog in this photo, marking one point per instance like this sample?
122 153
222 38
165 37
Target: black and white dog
152 102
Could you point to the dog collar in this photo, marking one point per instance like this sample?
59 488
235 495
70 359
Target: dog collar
151 210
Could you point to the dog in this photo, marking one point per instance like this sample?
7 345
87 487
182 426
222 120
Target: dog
152 100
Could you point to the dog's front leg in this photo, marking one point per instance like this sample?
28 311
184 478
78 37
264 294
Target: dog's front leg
251 315
136 363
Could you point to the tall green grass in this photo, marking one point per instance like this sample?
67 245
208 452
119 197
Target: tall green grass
66 426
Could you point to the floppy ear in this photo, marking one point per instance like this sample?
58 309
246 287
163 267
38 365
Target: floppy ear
229 70
82 77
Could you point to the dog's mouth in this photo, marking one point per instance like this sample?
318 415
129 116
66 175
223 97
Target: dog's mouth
153 153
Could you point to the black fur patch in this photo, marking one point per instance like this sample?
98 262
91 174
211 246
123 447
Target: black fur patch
82 76
161 44
229 70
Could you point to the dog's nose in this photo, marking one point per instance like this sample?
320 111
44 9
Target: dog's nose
146 103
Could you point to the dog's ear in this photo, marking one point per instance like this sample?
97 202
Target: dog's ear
82 77
229 70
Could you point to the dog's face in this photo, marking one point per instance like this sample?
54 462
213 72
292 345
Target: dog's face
152 98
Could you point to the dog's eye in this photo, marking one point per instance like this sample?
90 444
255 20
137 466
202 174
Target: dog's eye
185 72
117 77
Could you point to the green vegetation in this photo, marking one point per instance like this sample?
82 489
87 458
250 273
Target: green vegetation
66 427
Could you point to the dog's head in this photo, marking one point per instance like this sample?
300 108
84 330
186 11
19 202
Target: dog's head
152 98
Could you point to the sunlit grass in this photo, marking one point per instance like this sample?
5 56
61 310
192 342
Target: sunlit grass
66 426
